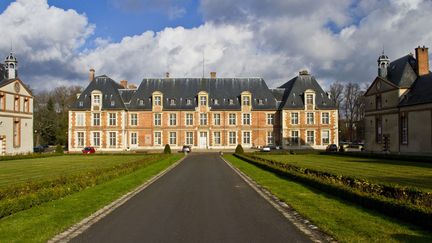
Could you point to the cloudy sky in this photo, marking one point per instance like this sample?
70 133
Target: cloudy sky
58 41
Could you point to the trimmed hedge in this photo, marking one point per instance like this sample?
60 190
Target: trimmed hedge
167 149
369 155
15 199
239 149
403 203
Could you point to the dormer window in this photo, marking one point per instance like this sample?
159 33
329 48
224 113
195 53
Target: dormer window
81 104
203 100
112 103
96 99
157 100
216 101
172 102
246 100
141 102
188 102
231 101
260 102
309 99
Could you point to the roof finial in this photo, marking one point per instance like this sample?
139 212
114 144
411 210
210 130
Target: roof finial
383 50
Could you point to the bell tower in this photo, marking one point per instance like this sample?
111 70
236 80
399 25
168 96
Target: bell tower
11 66
383 63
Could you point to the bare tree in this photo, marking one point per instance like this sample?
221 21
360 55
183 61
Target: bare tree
353 106
336 95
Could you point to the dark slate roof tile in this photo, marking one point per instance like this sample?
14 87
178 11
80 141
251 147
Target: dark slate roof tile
420 92
401 71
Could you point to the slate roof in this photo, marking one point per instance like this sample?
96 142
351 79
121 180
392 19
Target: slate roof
111 98
220 89
401 72
420 92
293 93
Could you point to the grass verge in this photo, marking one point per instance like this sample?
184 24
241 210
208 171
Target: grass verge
344 221
42 222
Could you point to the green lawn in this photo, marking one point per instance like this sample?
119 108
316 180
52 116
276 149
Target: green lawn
42 222
410 174
14 172
344 221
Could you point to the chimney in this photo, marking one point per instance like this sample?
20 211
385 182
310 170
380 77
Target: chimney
92 74
212 74
422 60
167 75
124 83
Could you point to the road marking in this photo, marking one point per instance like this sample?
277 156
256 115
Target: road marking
80 227
312 231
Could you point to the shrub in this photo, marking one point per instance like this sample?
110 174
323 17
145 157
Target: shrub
239 149
59 149
167 149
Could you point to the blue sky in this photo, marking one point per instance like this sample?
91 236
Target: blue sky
58 41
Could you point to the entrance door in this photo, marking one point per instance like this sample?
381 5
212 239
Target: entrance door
202 142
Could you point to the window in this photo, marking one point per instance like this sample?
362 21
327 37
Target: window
172 102
157 100
325 137
188 102
17 132
294 117
217 138
189 138
378 131
378 102
231 101
96 139
309 99
246 137
260 102
203 119
96 100
2 101
310 118
141 102
189 119
80 121
96 119
173 119
310 138
112 139
173 138
16 103
203 100
270 119
216 119
325 118
246 119
232 138
232 119
157 138
404 129
295 137
157 119
112 119
134 138
26 105
246 100
134 119
112 103
270 138
216 101
80 139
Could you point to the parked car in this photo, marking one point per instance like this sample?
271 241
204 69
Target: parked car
88 150
38 149
186 149
332 148
266 149
354 147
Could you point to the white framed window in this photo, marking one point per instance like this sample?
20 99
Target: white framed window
232 138
295 137
309 99
173 119
203 100
310 137
270 138
173 138
325 118
96 99
231 101
294 118
189 119
112 119
246 119
217 138
189 138
112 139
246 137
80 139
157 100
203 119
134 138
80 119
310 118
133 119
172 102
96 139
270 119
157 138
157 119
246 100
96 119
325 137
232 119
188 102
215 102
216 119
